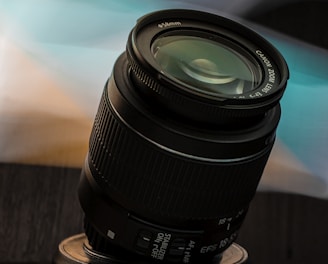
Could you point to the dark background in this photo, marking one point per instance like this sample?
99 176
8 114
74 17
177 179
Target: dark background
39 207
304 20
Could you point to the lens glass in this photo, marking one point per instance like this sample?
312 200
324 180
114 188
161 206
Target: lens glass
206 66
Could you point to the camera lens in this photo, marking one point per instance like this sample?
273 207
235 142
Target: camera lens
183 131
191 61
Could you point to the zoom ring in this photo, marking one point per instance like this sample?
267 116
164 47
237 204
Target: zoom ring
146 178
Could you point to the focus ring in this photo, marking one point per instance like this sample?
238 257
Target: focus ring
145 178
207 111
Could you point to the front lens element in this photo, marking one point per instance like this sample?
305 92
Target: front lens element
205 65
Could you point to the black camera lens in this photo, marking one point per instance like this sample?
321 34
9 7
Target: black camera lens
189 59
184 129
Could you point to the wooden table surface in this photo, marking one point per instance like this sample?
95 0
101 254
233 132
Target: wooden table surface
39 208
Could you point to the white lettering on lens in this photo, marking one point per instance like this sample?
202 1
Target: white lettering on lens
209 248
272 75
228 240
160 245
187 253
257 94
169 24
264 58
267 88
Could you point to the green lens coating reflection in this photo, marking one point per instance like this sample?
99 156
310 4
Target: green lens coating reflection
205 65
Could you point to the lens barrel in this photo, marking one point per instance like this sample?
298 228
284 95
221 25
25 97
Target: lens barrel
184 129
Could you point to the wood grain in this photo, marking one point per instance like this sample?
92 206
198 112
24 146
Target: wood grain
285 228
39 208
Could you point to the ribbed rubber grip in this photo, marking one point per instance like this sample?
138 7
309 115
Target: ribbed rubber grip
143 177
